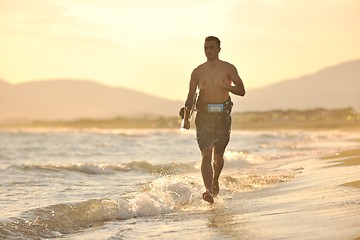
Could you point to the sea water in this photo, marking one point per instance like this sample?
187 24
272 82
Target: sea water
142 184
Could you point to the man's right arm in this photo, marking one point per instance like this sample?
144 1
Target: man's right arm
189 101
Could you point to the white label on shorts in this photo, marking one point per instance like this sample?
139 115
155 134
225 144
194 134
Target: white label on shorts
215 107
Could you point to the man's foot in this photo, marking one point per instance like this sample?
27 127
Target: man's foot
215 189
207 196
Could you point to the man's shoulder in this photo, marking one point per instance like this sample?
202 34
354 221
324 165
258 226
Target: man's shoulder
227 64
228 67
199 68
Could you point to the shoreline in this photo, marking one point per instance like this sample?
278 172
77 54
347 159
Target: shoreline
175 124
320 202
348 158
312 119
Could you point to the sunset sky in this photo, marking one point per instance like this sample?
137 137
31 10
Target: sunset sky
152 46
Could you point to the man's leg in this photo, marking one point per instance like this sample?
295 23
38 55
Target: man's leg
218 165
207 173
206 168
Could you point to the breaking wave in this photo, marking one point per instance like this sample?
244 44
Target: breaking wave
162 196
95 168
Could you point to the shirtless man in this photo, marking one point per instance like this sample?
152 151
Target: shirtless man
215 80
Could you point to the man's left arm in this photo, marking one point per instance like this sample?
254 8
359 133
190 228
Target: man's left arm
238 87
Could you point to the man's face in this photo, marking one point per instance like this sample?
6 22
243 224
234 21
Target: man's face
211 50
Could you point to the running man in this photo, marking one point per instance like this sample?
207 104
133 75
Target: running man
215 79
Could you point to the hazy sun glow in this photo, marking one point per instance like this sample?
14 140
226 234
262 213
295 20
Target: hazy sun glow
152 46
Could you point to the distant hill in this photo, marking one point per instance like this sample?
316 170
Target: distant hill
333 87
72 99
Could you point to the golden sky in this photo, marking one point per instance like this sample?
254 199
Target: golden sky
152 46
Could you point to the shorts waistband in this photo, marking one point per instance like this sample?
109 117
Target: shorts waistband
224 107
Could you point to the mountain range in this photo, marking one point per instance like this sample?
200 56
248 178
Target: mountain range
334 87
73 99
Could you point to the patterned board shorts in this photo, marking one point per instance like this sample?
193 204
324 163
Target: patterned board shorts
213 129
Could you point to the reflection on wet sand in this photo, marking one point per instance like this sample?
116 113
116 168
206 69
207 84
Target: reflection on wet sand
229 223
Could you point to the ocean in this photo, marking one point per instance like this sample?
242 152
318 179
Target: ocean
146 184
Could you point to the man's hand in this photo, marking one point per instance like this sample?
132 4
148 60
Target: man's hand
237 90
186 124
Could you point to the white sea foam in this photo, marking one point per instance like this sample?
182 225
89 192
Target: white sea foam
61 182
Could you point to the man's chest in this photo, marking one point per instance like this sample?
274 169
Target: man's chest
210 78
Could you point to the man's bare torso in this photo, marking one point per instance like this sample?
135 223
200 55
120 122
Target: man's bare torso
210 76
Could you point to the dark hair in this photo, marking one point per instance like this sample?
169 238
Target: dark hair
212 38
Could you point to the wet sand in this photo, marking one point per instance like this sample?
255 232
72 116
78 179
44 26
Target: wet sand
321 202
347 159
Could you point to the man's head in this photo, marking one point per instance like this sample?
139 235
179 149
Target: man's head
212 47
212 38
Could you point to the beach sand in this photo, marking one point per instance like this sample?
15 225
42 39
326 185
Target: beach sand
321 202
347 159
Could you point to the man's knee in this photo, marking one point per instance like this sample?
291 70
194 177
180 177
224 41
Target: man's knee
206 154
219 150
218 158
